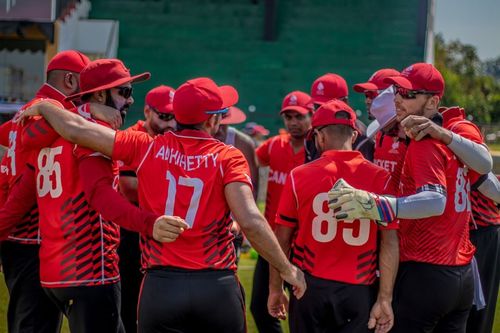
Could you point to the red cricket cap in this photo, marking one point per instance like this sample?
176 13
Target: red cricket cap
233 116
419 76
259 129
104 74
161 99
297 101
70 60
197 99
326 114
327 87
376 81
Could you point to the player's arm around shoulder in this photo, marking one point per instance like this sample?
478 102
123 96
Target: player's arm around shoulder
74 128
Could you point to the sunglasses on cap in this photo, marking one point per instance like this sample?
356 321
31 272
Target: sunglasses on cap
163 116
372 94
412 94
225 110
125 92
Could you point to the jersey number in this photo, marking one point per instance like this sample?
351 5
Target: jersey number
48 179
196 184
462 189
324 225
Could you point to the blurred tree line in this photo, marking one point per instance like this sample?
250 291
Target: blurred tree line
470 82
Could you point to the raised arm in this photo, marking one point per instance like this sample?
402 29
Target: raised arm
474 154
75 128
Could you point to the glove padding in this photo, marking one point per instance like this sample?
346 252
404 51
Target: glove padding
359 204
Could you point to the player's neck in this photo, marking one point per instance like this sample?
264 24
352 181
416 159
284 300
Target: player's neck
297 143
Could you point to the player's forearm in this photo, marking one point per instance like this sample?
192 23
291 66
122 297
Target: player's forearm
490 187
284 237
261 237
388 263
476 156
78 130
97 179
421 205
242 204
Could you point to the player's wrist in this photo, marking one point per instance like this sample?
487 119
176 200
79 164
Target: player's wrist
387 207
446 136
384 298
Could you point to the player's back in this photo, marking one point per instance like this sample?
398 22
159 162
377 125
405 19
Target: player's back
184 174
79 247
340 250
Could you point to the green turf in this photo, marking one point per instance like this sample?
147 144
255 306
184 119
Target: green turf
245 274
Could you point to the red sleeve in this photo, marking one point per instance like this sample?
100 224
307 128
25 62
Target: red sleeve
37 133
4 133
287 214
97 179
468 130
428 162
22 198
263 152
235 168
130 147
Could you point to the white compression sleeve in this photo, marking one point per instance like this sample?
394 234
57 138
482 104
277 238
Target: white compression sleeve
421 205
476 156
490 188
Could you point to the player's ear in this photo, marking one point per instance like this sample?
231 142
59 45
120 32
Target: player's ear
147 111
354 136
432 103
100 96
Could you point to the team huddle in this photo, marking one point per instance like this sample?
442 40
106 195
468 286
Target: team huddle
394 227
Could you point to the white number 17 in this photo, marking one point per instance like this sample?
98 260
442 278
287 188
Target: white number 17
196 184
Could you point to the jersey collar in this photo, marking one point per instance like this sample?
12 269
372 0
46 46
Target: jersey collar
194 134
342 154
48 91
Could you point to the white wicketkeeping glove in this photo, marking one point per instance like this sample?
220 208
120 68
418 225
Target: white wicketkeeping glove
359 204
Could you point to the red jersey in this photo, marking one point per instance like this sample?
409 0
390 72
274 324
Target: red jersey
485 211
124 169
444 239
17 156
184 174
339 250
278 154
79 247
390 152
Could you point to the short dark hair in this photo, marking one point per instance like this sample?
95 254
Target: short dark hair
197 126
86 98
342 132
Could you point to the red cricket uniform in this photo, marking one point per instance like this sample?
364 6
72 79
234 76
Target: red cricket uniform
339 250
444 239
278 154
17 156
390 152
184 174
484 210
73 184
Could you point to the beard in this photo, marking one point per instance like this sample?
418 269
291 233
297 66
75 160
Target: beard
121 108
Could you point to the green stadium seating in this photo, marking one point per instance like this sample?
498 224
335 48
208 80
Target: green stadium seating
180 39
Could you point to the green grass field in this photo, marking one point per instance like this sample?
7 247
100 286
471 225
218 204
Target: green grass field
245 274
